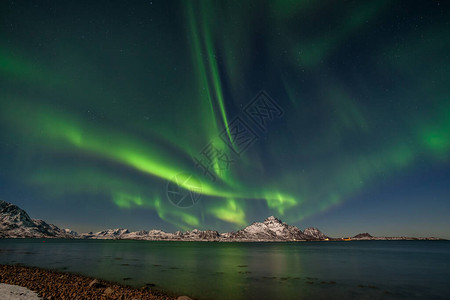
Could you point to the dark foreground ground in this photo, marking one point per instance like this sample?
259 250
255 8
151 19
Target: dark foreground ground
56 285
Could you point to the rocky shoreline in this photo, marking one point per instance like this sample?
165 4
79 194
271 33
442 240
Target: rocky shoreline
53 285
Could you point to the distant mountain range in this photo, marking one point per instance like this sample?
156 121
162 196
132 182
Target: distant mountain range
16 223
272 229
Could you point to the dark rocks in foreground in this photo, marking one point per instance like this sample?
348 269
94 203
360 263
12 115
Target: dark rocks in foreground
56 285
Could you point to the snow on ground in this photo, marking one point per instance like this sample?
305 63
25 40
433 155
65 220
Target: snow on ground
15 292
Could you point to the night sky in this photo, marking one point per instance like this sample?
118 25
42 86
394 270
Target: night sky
334 114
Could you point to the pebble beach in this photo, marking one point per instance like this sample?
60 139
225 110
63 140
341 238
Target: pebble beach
53 285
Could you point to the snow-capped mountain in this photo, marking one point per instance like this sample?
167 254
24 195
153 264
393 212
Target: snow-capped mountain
16 223
314 232
125 234
106 234
273 229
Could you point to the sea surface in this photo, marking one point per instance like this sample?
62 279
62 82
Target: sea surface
211 270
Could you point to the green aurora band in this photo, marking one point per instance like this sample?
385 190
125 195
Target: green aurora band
55 127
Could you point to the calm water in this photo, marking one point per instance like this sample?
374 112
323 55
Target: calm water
314 270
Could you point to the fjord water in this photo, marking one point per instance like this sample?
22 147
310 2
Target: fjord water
207 270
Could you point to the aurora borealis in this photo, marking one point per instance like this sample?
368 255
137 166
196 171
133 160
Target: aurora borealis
101 103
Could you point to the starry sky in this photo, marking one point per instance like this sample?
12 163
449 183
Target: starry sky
215 114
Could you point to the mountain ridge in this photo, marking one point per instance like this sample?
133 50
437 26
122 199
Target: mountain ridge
16 223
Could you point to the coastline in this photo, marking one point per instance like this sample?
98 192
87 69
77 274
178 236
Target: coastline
233 240
50 284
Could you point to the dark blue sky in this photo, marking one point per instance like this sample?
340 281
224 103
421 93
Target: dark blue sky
215 114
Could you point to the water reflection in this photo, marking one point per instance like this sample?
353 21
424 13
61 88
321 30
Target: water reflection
372 270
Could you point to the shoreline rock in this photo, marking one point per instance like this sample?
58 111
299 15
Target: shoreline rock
15 292
49 284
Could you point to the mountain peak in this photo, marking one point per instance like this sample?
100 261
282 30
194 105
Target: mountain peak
314 232
272 219
15 222
363 236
